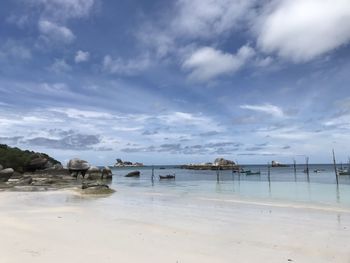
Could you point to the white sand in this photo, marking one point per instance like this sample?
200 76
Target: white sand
65 227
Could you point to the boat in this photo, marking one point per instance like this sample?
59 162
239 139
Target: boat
252 173
161 168
344 172
245 171
169 176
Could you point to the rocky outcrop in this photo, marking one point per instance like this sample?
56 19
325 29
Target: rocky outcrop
95 173
133 174
107 173
222 162
219 164
277 164
1 167
78 167
5 174
39 162
121 163
24 161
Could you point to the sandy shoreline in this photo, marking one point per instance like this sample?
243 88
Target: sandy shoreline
63 226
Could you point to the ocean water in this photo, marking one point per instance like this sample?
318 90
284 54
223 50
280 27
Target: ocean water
283 184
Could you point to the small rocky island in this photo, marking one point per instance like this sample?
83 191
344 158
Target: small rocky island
32 171
218 164
121 163
277 164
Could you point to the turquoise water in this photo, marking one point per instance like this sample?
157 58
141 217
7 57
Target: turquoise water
282 185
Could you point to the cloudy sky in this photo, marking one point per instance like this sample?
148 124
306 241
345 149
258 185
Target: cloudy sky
176 81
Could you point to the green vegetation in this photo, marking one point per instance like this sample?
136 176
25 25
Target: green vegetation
18 159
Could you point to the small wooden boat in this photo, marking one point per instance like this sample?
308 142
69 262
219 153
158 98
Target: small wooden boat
169 176
344 172
245 171
133 174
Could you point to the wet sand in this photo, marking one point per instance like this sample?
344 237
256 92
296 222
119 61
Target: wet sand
65 226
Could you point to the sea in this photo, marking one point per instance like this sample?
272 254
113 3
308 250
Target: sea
281 184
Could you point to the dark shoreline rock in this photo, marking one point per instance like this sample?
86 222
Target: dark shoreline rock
39 172
6 174
133 174
96 188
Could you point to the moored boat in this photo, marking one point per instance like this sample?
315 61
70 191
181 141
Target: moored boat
252 173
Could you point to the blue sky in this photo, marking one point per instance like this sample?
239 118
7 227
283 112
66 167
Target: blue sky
176 81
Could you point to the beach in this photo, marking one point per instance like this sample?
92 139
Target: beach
156 226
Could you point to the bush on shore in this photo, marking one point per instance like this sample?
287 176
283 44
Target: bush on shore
19 160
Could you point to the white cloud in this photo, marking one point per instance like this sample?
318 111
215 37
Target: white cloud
301 30
81 56
78 113
61 10
19 21
207 63
54 88
189 21
209 18
265 108
15 50
125 67
60 66
55 32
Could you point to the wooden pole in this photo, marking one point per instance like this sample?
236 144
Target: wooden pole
217 174
307 168
295 169
295 166
268 176
335 167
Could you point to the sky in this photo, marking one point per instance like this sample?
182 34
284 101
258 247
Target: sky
172 82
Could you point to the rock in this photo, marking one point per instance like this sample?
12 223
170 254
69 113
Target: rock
27 180
77 166
96 188
6 174
93 173
133 174
38 163
17 175
107 173
93 169
57 167
1 167
223 162
277 164
121 163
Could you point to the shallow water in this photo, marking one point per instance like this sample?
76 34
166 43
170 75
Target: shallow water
282 185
